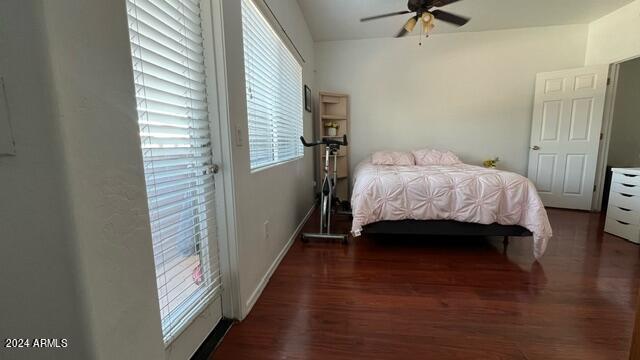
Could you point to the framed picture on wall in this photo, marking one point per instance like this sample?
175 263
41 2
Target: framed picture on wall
307 98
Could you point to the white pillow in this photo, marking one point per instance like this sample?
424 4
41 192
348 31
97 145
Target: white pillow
393 158
426 157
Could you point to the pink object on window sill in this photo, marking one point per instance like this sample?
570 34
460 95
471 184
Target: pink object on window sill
197 274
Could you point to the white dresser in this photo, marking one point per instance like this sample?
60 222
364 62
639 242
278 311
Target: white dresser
623 213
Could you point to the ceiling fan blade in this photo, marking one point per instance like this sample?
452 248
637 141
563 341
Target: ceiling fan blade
385 15
450 18
402 32
441 3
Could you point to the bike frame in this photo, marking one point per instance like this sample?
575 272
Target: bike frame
328 188
328 183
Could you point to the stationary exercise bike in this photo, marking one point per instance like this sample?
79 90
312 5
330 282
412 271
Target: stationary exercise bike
327 195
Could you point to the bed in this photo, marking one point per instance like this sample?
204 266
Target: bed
454 199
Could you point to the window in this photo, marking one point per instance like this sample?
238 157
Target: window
169 74
274 92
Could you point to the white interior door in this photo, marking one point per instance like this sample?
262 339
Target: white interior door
565 135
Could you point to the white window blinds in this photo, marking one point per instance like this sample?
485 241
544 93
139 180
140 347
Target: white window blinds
169 74
274 92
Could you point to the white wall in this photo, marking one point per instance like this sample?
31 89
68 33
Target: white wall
39 288
281 195
468 92
615 37
624 147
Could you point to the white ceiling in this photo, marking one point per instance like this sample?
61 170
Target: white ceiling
339 19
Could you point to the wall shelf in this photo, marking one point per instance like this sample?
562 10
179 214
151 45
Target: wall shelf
334 117
334 107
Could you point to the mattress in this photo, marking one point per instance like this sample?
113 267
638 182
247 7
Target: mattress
459 192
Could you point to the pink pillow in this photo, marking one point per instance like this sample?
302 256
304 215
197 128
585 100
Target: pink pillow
426 157
393 158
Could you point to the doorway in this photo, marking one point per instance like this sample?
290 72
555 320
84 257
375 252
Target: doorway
620 147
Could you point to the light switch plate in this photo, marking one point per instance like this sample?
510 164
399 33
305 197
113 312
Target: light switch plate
7 142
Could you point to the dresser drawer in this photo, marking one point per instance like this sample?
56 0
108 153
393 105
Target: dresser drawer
624 215
630 179
625 231
625 188
626 201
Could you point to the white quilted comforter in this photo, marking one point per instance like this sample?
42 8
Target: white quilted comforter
458 192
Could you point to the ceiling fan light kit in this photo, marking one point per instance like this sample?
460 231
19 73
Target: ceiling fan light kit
410 24
427 23
426 11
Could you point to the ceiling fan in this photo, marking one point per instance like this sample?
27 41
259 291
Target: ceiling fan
424 10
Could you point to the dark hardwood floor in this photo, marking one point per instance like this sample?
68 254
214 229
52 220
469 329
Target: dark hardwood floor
437 298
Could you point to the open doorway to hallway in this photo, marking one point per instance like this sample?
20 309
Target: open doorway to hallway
621 141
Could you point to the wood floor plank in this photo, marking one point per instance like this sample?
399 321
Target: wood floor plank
390 297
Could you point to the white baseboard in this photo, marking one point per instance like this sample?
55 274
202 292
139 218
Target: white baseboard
265 279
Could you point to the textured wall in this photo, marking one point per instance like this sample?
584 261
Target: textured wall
40 294
283 194
615 37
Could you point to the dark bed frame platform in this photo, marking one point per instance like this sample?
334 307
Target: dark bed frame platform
445 227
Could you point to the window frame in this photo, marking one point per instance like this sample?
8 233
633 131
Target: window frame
263 10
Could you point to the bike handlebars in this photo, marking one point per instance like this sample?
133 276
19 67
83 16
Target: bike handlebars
326 141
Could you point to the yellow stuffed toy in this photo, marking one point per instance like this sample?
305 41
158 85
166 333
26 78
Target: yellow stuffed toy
491 163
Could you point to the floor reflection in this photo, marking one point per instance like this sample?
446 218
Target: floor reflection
447 298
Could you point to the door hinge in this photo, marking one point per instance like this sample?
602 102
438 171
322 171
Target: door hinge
608 81
594 188
601 136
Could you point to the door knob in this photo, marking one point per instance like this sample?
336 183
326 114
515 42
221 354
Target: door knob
214 169
535 147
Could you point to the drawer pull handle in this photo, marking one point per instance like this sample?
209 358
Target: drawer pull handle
629 175
628 185
623 209
622 222
626 195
